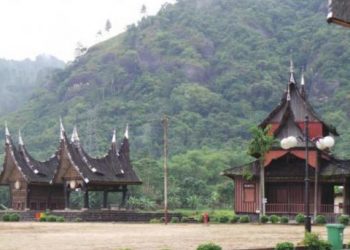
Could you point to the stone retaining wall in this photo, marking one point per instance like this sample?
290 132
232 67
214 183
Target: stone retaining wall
96 215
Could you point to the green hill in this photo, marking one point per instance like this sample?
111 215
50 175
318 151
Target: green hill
216 67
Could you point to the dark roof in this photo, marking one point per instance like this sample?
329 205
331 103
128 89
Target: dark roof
299 106
251 168
335 167
339 12
113 168
331 167
33 171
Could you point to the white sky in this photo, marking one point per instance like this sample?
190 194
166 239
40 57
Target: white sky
32 27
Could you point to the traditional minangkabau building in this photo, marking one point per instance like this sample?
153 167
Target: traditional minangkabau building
37 185
285 168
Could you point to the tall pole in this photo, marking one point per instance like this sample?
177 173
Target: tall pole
307 180
165 152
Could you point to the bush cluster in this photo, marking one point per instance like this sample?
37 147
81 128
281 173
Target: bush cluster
284 220
343 219
234 219
274 219
209 246
313 242
284 246
300 218
320 219
264 219
175 219
11 217
51 218
244 219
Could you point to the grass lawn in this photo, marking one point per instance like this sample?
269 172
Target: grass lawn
117 236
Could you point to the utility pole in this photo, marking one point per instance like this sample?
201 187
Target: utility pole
165 152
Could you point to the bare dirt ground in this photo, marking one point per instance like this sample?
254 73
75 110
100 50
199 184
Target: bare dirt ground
122 236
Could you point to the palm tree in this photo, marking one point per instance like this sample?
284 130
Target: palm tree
259 146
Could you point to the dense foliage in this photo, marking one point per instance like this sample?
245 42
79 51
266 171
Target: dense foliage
216 67
19 79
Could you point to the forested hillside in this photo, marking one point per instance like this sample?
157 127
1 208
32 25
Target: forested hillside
19 79
216 67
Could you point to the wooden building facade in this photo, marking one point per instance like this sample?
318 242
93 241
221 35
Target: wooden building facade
36 185
285 168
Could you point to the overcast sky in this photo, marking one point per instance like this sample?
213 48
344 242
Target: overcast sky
32 27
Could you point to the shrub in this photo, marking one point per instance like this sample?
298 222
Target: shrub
60 218
51 218
299 218
244 219
284 220
6 217
284 246
234 219
274 219
320 219
78 219
313 242
343 219
175 220
42 219
264 219
185 219
209 246
154 221
224 219
14 217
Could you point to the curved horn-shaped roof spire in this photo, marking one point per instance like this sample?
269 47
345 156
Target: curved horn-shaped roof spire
61 129
126 134
291 71
114 140
20 140
302 83
75 137
7 133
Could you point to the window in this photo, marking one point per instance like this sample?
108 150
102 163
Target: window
249 192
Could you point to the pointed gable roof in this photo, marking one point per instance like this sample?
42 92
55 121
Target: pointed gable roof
113 168
299 106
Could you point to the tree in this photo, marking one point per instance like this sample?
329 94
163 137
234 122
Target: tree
108 25
143 10
80 50
259 146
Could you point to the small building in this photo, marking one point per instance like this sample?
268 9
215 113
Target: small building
285 168
36 185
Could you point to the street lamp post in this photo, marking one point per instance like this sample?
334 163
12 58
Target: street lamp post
321 144
307 180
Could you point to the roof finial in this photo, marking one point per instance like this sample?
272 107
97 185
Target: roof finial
75 137
114 137
302 81
20 140
288 93
291 71
126 134
7 133
61 129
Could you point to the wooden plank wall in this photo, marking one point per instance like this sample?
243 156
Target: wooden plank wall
241 205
